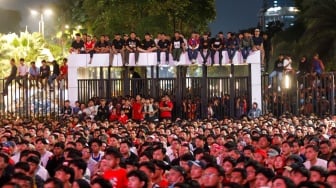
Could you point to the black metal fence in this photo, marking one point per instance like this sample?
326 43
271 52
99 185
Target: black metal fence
227 95
300 94
28 101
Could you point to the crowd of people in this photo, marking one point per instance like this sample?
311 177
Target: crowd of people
177 44
136 143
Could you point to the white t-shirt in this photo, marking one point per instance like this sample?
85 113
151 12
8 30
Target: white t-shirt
320 162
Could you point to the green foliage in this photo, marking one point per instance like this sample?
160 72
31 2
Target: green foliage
32 47
110 17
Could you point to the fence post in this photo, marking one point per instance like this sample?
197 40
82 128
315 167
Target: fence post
108 84
232 91
126 83
179 91
204 92
332 100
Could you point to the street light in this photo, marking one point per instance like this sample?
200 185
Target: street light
46 12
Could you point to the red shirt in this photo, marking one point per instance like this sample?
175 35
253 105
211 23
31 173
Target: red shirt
113 117
164 183
64 69
123 119
166 113
118 178
137 112
89 45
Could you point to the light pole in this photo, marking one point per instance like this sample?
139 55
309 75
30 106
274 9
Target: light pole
42 13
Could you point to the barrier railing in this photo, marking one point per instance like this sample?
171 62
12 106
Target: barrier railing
28 101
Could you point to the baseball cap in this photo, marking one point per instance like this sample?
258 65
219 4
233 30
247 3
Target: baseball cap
197 163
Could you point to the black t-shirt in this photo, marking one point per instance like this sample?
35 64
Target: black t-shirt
118 44
279 65
257 40
45 71
147 44
132 43
163 44
232 43
177 43
100 44
205 43
77 45
216 43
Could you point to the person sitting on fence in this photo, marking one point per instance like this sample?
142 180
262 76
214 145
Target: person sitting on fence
277 71
147 44
132 46
177 46
90 47
77 45
55 74
118 46
317 66
232 45
193 45
34 75
102 46
204 48
63 73
258 43
10 77
163 46
23 72
217 46
246 45
44 73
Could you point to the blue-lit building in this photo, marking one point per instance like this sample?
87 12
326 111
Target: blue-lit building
278 10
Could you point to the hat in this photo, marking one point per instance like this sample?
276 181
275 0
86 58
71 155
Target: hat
296 158
272 152
162 164
197 163
180 170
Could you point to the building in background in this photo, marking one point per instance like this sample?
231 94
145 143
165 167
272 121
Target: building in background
278 10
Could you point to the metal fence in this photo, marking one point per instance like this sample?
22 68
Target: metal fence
201 91
30 101
300 94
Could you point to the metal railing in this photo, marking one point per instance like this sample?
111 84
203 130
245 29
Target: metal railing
29 101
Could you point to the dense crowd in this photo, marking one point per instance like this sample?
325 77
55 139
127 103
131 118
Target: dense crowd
136 143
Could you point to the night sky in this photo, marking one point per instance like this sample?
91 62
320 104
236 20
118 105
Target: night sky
232 15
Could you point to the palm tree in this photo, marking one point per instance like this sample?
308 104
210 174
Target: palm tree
320 22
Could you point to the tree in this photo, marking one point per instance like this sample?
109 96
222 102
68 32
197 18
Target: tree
32 47
109 17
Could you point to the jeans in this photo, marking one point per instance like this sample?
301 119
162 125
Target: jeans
176 54
231 53
192 54
245 52
51 80
206 56
136 55
158 52
275 73
7 83
213 52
